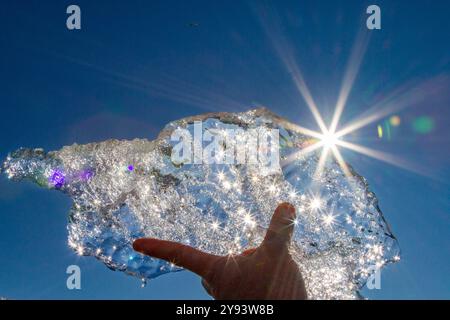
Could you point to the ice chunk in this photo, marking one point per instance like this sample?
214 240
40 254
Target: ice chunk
123 190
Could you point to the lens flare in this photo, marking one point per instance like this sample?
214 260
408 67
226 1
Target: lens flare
380 131
423 125
395 121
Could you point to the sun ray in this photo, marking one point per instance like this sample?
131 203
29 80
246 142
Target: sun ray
271 26
165 86
406 96
321 163
353 65
307 131
301 153
304 91
337 155
383 156
364 121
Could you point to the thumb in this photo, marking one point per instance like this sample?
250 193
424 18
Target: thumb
179 254
281 227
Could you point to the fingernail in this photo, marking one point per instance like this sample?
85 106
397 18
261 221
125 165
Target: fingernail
137 245
287 209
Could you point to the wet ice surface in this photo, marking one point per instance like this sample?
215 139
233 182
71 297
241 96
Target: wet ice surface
123 190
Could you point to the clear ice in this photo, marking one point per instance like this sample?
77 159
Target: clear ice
123 190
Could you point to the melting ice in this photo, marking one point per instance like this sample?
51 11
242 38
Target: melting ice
123 190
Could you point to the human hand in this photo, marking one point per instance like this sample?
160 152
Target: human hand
265 272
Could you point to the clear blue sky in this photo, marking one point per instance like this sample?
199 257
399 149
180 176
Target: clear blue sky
137 65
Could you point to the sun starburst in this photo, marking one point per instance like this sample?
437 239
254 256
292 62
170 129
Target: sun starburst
330 139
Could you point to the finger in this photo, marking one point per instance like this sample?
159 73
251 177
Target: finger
179 254
281 227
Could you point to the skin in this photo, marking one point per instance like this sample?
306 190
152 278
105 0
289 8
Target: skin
265 272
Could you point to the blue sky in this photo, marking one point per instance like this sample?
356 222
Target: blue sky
136 65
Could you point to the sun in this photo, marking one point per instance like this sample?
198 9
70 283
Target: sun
329 139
